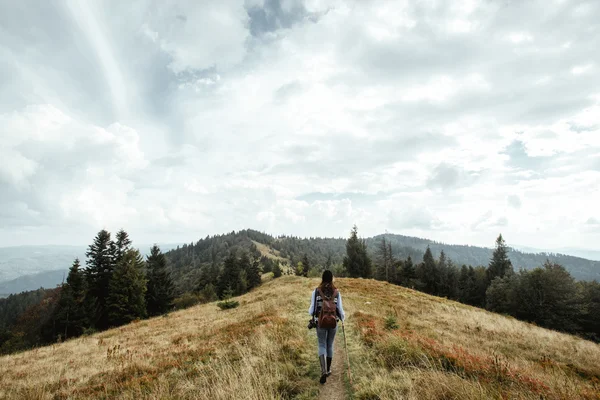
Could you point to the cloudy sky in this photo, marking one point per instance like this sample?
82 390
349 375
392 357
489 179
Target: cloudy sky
449 120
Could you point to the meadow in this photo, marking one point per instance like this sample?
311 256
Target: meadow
402 344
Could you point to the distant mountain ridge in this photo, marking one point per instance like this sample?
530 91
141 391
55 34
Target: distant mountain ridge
187 260
46 279
25 268
580 268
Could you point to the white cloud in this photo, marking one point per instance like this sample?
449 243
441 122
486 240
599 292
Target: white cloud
581 69
180 120
520 37
200 34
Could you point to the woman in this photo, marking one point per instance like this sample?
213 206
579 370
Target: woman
326 292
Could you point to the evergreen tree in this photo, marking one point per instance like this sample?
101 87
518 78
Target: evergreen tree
245 265
548 297
267 264
127 296
500 264
253 275
299 269
382 267
357 261
408 273
428 273
209 293
481 284
100 265
466 285
306 265
70 315
452 274
161 291
329 262
392 265
121 245
230 276
442 283
590 309
501 296
277 270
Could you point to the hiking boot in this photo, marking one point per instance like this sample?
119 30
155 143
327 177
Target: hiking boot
329 366
323 369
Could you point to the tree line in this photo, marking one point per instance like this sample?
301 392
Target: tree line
547 295
319 250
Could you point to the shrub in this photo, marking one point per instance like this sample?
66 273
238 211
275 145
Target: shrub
187 300
391 324
227 304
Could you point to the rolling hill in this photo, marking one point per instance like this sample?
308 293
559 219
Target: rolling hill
402 344
187 260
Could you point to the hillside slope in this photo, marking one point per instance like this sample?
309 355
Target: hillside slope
262 350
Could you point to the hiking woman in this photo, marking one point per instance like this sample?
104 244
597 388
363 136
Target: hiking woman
326 304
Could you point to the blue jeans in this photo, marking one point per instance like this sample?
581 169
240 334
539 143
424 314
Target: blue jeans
325 337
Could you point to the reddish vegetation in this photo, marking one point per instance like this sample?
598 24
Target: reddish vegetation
454 358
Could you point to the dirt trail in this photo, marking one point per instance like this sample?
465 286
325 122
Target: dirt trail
334 388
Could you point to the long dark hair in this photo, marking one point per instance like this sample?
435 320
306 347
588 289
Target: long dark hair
327 286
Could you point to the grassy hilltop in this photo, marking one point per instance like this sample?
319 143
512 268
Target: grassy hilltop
402 344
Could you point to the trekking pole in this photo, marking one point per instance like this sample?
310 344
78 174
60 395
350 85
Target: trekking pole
347 355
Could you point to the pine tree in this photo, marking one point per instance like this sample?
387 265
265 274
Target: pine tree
452 273
299 270
161 291
428 273
277 270
245 265
500 264
100 266
253 275
442 283
357 261
500 295
382 268
329 262
126 300
230 276
408 273
393 266
70 314
305 265
121 245
466 285
480 285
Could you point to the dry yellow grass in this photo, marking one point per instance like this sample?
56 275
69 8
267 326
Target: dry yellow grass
256 351
262 350
270 252
446 350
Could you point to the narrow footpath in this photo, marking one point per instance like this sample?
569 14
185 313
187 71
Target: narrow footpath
334 389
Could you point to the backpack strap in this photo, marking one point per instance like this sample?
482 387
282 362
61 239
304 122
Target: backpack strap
315 302
327 297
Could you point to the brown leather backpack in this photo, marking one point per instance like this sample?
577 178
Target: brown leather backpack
328 314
